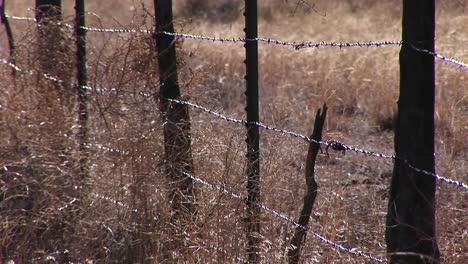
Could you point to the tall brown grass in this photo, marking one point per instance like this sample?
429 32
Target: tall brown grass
125 217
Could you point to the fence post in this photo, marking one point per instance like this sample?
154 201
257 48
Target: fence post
9 32
253 146
410 228
176 120
80 35
48 9
51 39
294 249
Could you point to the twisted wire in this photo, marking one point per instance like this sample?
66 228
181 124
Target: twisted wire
288 219
281 131
333 144
329 144
113 201
101 197
21 18
438 177
18 69
443 58
94 194
106 148
296 45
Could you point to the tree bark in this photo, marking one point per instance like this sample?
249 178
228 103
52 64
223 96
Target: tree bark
294 250
410 230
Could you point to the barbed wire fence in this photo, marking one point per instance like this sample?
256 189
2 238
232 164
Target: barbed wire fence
331 144
328 144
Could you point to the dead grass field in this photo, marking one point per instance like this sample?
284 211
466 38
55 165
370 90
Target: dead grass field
359 85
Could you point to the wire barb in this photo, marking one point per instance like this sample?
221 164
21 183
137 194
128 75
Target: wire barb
335 145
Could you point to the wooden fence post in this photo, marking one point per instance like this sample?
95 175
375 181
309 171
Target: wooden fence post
9 32
80 34
410 230
48 10
253 145
51 44
294 249
176 120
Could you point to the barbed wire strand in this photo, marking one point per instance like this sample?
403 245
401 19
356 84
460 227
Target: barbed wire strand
438 177
89 145
332 143
18 69
101 197
21 18
51 78
296 45
443 58
286 218
106 148
113 201
6 168
283 131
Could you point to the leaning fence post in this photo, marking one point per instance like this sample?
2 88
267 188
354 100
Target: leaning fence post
253 148
294 249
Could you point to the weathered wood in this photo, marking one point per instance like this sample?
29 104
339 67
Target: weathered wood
53 47
294 249
47 14
80 35
9 32
410 230
176 119
48 10
253 138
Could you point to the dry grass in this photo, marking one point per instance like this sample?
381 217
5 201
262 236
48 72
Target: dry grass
360 86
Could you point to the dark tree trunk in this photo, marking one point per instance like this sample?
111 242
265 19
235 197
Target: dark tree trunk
176 120
253 138
410 231
294 251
